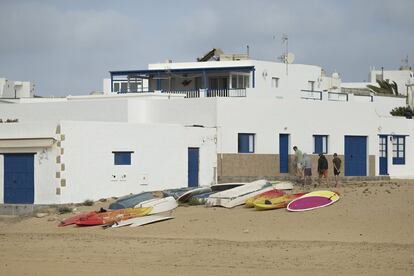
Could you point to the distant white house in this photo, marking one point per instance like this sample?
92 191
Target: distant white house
227 118
15 89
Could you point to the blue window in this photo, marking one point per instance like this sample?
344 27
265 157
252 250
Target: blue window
321 144
122 157
246 143
398 150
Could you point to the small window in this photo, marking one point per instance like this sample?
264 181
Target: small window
275 82
122 157
383 146
321 144
246 143
398 150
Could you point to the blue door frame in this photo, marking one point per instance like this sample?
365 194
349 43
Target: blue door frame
19 178
355 155
193 166
284 153
383 155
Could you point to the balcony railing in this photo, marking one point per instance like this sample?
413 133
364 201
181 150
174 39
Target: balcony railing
200 93
335 96
311 95
241 92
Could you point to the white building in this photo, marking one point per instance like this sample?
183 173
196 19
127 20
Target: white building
15 89
188 124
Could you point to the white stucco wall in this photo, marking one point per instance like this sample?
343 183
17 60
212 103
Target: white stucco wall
304 118
82 110
160 156
45 183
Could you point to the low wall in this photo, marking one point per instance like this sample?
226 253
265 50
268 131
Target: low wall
249 167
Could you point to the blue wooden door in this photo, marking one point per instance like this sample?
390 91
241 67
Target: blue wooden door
193 167
284 153
355 155
19 178
383 155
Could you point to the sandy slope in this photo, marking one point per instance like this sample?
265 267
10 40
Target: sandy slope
368 232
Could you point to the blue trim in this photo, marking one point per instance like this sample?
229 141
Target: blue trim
400 159
184 71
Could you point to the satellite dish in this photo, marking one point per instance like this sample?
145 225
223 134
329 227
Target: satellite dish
290 58
335 75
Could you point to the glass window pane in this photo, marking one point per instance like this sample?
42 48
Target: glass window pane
251 143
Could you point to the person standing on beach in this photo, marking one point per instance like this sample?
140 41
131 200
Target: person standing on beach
307 166
322 169
299 163
336 167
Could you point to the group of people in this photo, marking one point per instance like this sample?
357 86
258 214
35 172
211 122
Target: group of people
304 167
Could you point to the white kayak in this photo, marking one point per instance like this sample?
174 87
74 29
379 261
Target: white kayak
237 196
159 205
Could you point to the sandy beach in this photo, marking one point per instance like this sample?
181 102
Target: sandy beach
369 231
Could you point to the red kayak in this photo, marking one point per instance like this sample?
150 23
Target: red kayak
74 219
110 217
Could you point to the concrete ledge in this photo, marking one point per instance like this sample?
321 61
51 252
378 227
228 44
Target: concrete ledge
343 179
20 209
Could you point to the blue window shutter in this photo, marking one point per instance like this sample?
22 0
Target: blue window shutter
321 143
318 143
122 158
399 150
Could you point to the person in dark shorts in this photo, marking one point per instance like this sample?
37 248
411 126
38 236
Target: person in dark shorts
322 169
336 167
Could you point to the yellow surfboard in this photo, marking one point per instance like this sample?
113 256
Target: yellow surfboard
328 194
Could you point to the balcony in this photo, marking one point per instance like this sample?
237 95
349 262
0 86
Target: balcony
198 93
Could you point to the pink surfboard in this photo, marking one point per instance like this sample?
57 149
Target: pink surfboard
307 203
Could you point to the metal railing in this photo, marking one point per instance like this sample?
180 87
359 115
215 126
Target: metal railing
196 93
187 93
234 92
337 96
311 95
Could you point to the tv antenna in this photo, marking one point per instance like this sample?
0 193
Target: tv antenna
285 40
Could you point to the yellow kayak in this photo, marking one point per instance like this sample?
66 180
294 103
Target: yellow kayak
275 203
263 196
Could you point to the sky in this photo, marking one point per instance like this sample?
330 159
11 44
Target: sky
68 47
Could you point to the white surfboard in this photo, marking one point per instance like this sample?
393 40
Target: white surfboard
159 205
240 200
283 185
224 198
134 222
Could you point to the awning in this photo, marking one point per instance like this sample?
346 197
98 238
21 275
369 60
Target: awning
27 142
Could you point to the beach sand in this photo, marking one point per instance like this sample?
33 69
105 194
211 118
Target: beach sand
369 231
